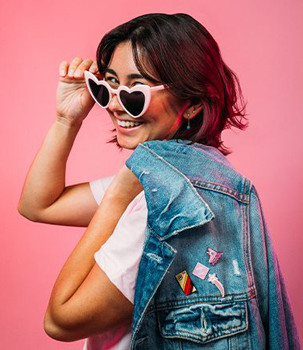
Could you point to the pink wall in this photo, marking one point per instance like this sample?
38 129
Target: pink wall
260 40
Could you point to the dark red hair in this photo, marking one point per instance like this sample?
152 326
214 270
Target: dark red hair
181 53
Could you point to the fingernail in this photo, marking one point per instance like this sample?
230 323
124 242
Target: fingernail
77 74
62 72
70 73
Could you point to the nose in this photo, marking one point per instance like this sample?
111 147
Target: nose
114 105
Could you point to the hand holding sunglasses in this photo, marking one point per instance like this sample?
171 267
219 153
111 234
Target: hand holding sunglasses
134 101
73 100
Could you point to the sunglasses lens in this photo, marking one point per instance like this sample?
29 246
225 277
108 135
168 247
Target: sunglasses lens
100 92
133 102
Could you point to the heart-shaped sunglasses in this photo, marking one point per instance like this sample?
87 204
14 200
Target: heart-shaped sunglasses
134 101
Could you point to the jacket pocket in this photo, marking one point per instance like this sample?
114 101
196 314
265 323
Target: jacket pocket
203 322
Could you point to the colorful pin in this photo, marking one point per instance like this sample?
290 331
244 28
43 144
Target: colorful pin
185 283
212 278
200 271
213 256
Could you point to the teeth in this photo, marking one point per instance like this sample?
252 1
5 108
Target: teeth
127 124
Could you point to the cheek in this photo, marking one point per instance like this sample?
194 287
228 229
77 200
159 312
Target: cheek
173 114
164 109
173 105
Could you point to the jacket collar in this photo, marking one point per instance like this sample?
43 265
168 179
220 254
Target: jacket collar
174 205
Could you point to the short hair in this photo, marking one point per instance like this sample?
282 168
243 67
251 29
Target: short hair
182 54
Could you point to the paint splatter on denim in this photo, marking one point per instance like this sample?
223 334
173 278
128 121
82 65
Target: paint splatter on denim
200 210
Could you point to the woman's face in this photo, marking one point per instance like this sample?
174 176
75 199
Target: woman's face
160 121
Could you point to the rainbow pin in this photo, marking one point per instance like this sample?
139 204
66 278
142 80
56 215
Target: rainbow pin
185 283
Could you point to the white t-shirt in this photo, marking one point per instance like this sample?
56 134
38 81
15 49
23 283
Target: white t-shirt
119 258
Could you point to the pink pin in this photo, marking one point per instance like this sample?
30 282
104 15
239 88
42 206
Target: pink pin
212 278
200 271
213 256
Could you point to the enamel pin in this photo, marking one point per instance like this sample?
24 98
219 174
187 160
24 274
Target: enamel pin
200 271
213 256
185 283
212 278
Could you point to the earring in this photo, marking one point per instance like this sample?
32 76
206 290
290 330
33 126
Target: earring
188 119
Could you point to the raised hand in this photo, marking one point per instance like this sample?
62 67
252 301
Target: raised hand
73 99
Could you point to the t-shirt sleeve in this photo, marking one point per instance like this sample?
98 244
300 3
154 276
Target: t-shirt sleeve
120 256
99 187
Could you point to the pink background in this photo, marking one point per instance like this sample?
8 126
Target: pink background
260 40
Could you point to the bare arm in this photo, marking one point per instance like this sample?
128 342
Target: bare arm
83 301
45 197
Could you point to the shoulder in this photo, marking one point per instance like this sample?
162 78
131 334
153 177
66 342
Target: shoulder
203 165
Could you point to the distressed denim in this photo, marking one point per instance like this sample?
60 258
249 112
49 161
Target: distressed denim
196 200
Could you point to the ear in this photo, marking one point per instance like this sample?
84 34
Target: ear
192 110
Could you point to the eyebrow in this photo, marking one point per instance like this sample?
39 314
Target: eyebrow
130 76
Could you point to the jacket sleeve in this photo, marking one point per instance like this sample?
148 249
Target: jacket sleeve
273 302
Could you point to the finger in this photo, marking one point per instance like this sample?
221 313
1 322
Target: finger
95 70
74 65
94 67
63 68
82 67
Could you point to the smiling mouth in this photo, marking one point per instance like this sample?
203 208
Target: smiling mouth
128 124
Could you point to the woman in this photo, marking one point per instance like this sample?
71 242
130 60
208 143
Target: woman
208 277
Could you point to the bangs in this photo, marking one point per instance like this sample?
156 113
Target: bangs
143 64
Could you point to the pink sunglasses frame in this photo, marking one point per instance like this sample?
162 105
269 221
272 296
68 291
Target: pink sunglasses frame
145 89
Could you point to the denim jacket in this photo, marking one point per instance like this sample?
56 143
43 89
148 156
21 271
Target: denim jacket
201 211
